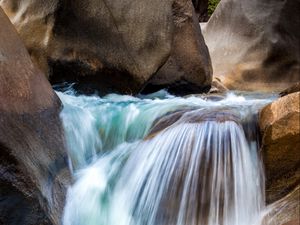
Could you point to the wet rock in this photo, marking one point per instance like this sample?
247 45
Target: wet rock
209 96
285 211
217 86
294 88
33 167
195 159
280 127
192 116
114 46
213 97
292 222
254 45
166 121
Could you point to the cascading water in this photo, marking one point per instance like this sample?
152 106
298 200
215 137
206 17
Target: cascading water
204 169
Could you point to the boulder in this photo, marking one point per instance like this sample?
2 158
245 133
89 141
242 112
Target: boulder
185 68
217 86
280 127
204 149
33 161
255 45
114 46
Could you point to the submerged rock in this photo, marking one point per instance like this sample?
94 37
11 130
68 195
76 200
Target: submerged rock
254 45
204 181
280 128
114 46
33 166
166 121
192 116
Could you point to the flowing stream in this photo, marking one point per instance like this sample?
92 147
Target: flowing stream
199 165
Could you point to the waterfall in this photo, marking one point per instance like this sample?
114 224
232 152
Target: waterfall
204 169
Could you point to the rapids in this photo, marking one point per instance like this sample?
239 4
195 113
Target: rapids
201 170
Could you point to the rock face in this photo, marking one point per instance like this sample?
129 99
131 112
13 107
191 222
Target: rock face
115 46
280 128
33 167
255 45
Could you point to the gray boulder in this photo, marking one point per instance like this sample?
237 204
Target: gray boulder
255 45
115 46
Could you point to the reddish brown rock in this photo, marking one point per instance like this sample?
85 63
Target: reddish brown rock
33 165
280 127
293 222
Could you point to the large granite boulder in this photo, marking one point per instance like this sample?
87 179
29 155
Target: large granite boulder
255 45
115 46
33 161
280 128
185 68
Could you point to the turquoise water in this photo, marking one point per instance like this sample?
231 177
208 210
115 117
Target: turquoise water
192 173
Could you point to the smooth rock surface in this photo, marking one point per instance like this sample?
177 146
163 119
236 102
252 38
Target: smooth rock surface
33 166
255 45
294 88
185 69
114 46
280 127
285 211
190 115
